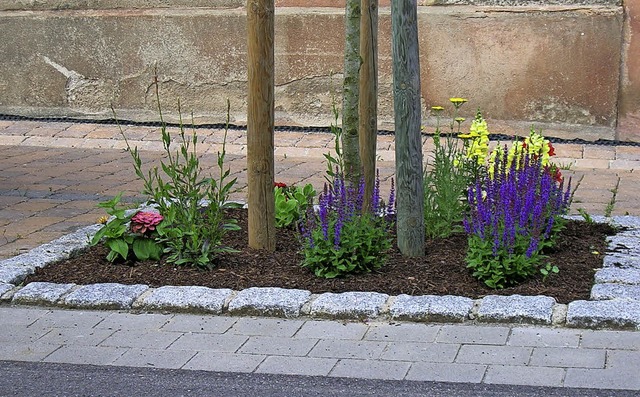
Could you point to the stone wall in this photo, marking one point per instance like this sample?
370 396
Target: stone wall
571 69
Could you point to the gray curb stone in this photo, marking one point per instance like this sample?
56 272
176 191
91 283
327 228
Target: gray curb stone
188 299
271 301
621 261
4 288
516 309
41 293
624 244
105 296
615 313
626 221
615 291
349 305
447 308
620 276
14 274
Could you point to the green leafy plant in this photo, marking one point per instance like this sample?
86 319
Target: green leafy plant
448 173
585 215
291 202
129 231
341 238
193 206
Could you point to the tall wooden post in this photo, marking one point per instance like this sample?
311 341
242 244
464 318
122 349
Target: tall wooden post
260 163
350 92
368 102
406 95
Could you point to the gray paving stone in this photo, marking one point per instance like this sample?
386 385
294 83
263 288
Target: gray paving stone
188 299
367 350
487 354
70 319
484 335
11 274
105 296
41 293
522 375
602 378
620 276
621 261
141 322
615 291
623 359
627 340
615 313
412 351
544 337
626 244
368 369
141 339
516 309
93 355
402 332
431 308
224 362
154 358
209 342
194 323
20 334
21 315
568 357
26 352
76 336
276 302
278 327
308 366
4 288
349 305
270 345
627 221
332 330
445 372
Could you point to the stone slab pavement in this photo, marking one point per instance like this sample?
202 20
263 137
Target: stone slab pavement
489 354
52 175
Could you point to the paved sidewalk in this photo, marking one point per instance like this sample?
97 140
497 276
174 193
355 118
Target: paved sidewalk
52 175
419 352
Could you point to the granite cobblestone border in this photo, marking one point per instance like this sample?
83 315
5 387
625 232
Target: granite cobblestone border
614 302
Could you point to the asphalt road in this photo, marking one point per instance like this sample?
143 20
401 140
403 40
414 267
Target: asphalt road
46 379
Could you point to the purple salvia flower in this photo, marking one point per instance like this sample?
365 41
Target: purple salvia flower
375 195
392 197
360 198
533 247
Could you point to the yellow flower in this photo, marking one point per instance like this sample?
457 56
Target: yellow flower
465 136
103 220
459 119
437 108
457 100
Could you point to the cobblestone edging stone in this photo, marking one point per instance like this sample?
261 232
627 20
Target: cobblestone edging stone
614 303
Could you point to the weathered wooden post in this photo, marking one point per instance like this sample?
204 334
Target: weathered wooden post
350 91
260 163
368 103
406 94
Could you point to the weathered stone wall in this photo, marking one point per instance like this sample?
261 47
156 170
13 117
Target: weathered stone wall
572 69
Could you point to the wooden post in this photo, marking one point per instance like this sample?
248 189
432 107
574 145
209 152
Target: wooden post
260 163
368 103
350 92
406 95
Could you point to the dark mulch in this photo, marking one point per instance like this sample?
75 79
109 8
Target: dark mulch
441 272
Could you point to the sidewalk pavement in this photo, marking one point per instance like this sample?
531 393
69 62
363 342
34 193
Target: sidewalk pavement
53 174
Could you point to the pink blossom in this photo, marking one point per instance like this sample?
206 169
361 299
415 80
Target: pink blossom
144 221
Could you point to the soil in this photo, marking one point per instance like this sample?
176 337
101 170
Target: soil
442 271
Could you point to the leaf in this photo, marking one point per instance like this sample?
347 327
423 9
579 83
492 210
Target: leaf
119 246
146 248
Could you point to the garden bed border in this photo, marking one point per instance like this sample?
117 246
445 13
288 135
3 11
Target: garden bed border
614 302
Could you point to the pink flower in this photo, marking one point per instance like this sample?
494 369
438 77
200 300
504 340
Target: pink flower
144 221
